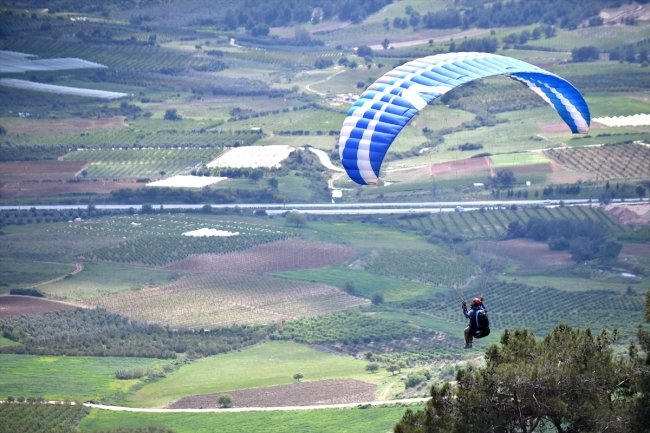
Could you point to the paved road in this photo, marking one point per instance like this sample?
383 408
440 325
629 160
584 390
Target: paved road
343 208
256 409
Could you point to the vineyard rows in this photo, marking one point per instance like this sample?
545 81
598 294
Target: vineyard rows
140 225
221 299
141 162
161 250
494 223
120 57
284 255
509 307
284 58
425 266
111 137
607 162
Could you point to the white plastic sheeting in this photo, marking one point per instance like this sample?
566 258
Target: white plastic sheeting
253 157
180 181
636 120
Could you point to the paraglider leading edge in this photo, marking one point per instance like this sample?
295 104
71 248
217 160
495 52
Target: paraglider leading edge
387 105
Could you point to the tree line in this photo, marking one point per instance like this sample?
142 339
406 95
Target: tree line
584 239
96 332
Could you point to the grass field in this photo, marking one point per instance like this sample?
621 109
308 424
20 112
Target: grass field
103 279
6 342
372 420
358 235
66 377
268 364
366 284
22 273
510 160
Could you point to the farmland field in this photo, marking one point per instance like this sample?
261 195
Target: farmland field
268 364
435 266
221 299
17 305
607 162
102 279
329 391
66 377
365 283
21 274
372 420
493 223
278 256
142 162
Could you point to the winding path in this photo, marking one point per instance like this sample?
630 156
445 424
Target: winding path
78 268
309 89
257 409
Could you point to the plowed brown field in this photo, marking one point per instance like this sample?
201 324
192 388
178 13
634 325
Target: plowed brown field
532 255
322 392
285 255
17 305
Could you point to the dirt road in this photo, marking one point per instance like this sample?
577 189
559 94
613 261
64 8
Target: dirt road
257 409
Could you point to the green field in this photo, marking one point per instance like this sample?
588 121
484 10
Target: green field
20 273
268 364
372 420
366 284
103 279
66 377
6 342
364 235
528 158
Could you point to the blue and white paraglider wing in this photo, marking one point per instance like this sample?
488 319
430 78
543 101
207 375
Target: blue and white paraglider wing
389 103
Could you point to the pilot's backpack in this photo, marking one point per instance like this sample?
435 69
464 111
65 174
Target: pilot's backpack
481 325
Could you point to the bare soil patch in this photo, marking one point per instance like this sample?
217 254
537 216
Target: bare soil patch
630 214
17 305
278 256
46 188
531 168
532 255
35 126
468 165
635 249
322 392
557 128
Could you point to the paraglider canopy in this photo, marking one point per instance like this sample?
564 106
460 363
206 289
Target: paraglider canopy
389 103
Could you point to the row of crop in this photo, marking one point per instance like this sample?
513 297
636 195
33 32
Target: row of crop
346 327
426 266
509 306
115 138
494 223
289 254
191 301
608 162
40 418
160 250
140 155
115 56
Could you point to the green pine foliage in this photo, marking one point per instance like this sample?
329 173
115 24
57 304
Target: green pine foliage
569 381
